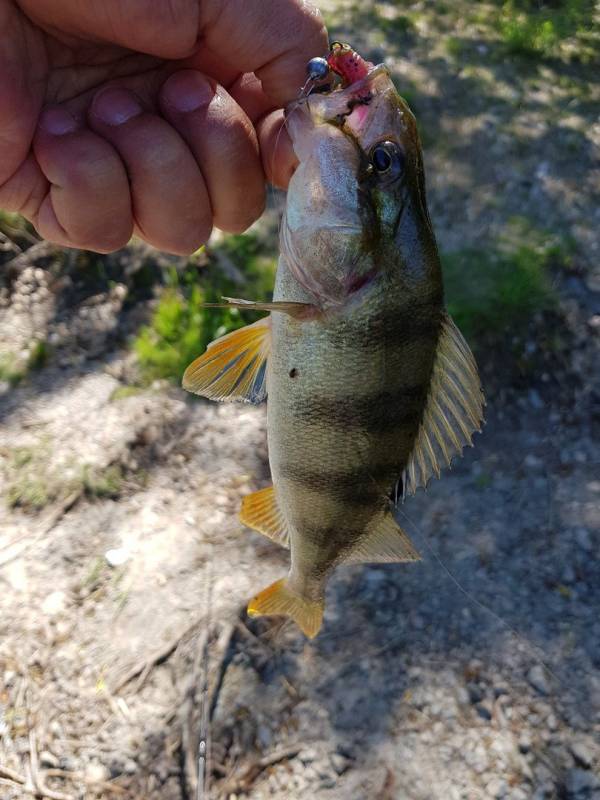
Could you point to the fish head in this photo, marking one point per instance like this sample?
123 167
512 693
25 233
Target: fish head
356 208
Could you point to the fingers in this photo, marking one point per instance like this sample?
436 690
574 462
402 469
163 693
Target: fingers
278 157
87 202
224 144
167 28
272 38
170 204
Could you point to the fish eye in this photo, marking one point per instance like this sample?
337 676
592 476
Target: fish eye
387 159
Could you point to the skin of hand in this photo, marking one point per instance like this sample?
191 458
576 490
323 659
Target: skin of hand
154 117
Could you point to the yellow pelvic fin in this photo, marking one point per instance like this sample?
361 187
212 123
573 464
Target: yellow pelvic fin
261 511
286 307
234 366
454 409
384 542
278 599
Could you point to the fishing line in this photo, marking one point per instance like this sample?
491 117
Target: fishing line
533 649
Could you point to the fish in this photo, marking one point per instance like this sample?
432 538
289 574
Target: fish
372 389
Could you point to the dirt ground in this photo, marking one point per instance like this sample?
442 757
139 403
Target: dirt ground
124 572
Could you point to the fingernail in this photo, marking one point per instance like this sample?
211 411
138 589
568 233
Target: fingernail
57 121
187 91
116 106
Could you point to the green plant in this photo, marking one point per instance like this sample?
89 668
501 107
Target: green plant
491 290
103 483
181 327
539 27
13 369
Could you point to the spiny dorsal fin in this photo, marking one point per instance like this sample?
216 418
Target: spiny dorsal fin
261 512
234 366
384 542
454 409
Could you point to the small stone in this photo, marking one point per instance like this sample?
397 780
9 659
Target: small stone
533 462
580 784
535 399
496 788
307 755
96 773
339 762
54 603
524 743
264 736
48 759
537 678
484 712
583 539
582 754
117 556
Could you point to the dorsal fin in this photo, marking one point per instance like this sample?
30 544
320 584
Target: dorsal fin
234 366
261 512
384 542
454 409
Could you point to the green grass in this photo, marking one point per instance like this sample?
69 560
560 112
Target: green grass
541 27
103 483
491 291
29 492
125 391
14 369
181 328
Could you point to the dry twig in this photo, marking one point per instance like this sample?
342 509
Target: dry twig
45 527
143 668
244 781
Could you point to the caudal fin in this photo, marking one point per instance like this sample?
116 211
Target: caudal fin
278 598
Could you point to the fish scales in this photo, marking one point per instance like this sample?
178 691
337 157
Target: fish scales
357 355
370 384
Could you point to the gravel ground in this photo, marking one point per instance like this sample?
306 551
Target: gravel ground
123 640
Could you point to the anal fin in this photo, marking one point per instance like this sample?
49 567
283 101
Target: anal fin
261 512
384 542
279 599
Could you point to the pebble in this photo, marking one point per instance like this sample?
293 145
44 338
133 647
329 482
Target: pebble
535 400
580 784
533 462
339 762
48 759
117 556
54 603
96 773
582 754
537 678
307 755
583 539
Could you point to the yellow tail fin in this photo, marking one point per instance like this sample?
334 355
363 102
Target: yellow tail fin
278 598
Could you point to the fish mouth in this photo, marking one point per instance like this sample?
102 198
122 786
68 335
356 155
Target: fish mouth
332 105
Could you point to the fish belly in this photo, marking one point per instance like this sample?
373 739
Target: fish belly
345 398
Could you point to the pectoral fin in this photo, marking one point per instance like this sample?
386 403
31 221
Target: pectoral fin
261 511
384 542
279 599
298 310
234 366
454 410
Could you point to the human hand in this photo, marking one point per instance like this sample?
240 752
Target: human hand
144 116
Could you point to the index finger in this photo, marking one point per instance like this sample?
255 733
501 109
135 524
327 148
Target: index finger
274 39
